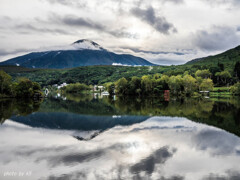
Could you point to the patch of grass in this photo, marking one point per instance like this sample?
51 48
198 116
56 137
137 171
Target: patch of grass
221 89
221 94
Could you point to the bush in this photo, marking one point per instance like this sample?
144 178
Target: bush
26 88
235 89
76 88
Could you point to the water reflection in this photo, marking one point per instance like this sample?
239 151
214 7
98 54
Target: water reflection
88 138
101 114
8 107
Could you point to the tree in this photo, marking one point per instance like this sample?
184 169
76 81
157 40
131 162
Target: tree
175 84
189 83
164 82
203 73
235 89
24 88
156 76
5 83
224 76
221 66
206 85
237 69
146 84
75 88
121 86
199 82
135 85
110 88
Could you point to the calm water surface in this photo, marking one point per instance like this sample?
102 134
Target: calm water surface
103 138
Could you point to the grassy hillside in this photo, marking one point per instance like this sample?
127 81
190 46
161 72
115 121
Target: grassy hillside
228 58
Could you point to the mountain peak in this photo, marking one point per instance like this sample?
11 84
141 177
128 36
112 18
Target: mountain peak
87 44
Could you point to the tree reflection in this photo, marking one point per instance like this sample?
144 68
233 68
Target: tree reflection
222 113
9 107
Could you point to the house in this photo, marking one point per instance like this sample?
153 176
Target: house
62 85
98 88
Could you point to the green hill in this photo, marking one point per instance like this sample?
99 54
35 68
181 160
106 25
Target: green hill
228 58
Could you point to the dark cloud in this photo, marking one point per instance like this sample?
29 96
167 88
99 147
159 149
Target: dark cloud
149 16
79 158
172 178
78 21
72 158
74 21
148 164
238 28
217 38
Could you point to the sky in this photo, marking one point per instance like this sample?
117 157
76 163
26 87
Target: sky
164 32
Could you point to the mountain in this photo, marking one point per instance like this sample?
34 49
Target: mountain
80 53
229 57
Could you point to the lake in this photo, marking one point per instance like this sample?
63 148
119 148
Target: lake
94 137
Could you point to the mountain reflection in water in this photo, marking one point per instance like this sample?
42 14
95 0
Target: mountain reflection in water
123 139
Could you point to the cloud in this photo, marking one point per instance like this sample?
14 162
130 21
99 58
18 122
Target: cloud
4 52
158 23
159 57
74 175
217 38
162 61
173 1
78 21
72 20
136 50
231 175
232 3
27 28
216 142
122 33
72 3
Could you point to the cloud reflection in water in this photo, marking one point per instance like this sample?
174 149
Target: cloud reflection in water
160 148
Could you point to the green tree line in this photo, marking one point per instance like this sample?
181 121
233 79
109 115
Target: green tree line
185 84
